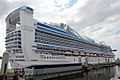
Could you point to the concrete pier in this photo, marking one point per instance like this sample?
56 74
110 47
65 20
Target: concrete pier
47 73
4 66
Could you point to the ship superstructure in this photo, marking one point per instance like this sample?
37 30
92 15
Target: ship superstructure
31 42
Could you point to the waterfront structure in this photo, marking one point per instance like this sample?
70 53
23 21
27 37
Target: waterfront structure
4 64
31 42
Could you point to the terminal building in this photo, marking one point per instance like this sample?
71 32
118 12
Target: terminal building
31 42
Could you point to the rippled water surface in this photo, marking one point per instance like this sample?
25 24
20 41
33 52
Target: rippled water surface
98 74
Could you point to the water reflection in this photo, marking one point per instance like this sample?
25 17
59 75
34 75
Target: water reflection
117 71
98 74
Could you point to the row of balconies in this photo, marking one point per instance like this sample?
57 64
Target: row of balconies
13 36
14 47
14 39
64 42
81 39
13 43
41 47
54 47
55 40
14 32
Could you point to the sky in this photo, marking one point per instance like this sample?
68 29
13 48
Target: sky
97 19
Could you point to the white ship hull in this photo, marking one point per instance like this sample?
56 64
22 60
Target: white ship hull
30 42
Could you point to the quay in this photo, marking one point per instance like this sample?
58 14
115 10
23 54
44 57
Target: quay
51 72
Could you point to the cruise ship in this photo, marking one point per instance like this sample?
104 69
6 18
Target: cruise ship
32 42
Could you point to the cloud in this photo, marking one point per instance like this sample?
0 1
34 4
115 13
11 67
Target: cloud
2 37
4 7
62 4
92 12
98 19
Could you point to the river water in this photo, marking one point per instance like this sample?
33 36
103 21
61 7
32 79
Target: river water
97 74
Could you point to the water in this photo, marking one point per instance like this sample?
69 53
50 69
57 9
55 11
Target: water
98 74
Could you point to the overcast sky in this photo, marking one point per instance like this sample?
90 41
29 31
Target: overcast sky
98 19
